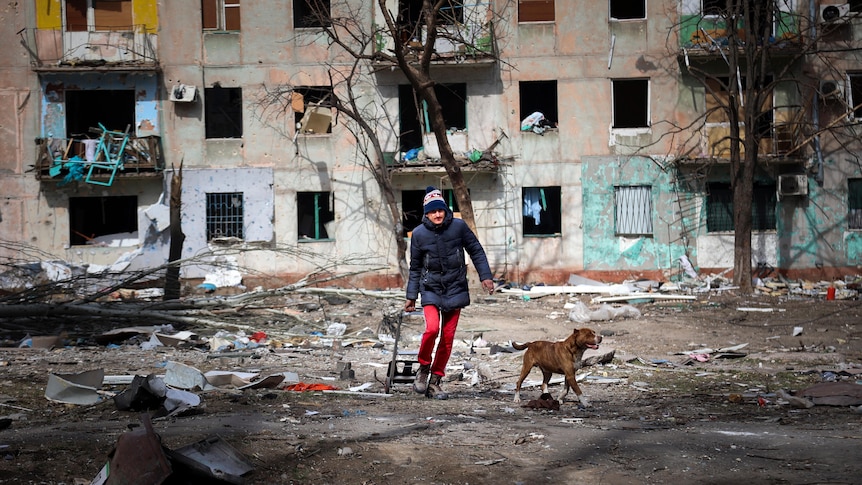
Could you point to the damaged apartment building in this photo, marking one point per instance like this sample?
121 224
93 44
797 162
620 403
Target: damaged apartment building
587 144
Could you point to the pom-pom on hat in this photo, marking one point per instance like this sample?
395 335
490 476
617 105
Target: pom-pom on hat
433 200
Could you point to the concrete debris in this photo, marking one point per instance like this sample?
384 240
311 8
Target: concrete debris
139 458
833 394
80 389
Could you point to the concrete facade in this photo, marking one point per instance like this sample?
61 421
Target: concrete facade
598 150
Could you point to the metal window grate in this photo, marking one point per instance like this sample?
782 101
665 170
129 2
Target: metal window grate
224 215
719 208
633 207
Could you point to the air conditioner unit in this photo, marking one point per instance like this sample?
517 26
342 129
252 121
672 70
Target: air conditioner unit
792 184
183 93
831 89
835 13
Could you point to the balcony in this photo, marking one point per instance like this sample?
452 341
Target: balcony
460 44
709 35
108 156
55 50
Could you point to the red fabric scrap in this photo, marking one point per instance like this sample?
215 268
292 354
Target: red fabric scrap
302 386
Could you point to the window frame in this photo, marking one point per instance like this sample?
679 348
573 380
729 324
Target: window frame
303 17
529 11
214 114
853 96
854 204
81 217
413 123
633 209
647 109
643 4
321 215
221 15
233 220
764 206
531 91
311 97
551 216
96 17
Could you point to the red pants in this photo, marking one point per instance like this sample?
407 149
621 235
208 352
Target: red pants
447 336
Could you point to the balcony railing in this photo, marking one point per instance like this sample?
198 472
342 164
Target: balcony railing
100 160
57 50
470 43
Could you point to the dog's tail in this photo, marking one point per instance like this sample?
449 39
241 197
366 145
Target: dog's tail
518 346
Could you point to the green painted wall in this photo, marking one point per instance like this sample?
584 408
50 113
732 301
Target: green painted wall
603 249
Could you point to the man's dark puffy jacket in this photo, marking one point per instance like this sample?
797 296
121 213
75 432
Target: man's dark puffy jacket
437 267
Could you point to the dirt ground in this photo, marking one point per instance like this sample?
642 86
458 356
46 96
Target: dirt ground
657 416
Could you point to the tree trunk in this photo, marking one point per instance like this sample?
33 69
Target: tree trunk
172 275
447 157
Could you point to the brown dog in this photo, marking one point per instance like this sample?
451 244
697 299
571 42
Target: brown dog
558 358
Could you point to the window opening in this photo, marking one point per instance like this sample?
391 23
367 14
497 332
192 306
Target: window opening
220 15
414 112
719 207
223 112
92 217
312 109
535 11
633 210
410 15
854 203
542 214
854 95
631 103
224 215
758 11
311 13
628 9
412 209
314 212
538 105
116 113
98 15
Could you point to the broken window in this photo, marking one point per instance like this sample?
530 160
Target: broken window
633 210
760 14
538 105
116 111
631 103
98 15
410 16
719 207
412 209
91 218
311 13
414 112
627 9
311 109
224 215
220 15
854 94
223 112
535 11
542 211
314 212
854 203
718 116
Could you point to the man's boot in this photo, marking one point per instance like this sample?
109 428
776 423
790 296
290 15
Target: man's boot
420 384
434 389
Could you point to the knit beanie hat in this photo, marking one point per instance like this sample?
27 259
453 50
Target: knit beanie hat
433 200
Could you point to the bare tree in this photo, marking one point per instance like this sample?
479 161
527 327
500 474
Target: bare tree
741 51
349 25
